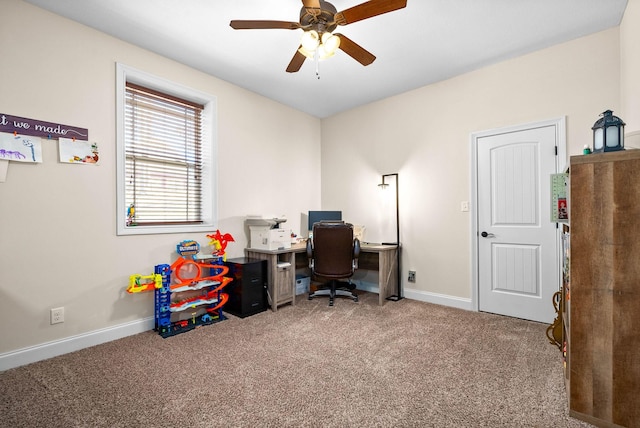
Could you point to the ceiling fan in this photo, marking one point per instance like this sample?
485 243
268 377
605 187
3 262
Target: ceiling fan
318 20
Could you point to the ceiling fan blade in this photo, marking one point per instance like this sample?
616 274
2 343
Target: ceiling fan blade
296 62
312 7
263 25
368 10
313 4
355 51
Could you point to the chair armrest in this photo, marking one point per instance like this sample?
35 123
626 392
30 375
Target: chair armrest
356 252
310 253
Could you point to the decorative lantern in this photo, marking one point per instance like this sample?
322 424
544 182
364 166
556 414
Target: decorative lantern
608 133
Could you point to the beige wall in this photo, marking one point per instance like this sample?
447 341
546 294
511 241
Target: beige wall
630 70
57 222
58 245
425 136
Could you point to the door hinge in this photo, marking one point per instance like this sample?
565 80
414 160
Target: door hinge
556 147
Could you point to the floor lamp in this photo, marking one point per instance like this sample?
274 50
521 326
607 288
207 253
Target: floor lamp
384 185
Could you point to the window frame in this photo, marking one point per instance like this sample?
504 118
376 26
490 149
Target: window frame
126 74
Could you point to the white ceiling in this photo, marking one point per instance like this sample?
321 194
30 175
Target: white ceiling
426 42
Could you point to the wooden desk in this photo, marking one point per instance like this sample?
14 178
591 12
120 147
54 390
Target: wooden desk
384 259
282 279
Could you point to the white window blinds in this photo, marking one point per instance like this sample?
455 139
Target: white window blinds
163 152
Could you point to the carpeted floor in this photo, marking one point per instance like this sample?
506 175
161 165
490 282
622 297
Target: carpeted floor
405 364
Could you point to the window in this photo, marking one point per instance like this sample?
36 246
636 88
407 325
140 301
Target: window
163 158
165 153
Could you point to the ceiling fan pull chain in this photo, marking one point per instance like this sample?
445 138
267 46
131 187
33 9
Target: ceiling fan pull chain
317 60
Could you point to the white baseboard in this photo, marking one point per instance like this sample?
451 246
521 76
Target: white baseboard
439 299
52 349
9 360
423 296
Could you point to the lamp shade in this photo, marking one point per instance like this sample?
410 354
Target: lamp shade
608 133
323 53
306 53
330 42
310 40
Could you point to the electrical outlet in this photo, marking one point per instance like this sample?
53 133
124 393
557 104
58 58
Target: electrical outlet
57 315
412 276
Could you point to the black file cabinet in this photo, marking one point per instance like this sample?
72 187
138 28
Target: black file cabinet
248 290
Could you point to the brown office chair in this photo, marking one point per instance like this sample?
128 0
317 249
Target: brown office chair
333 255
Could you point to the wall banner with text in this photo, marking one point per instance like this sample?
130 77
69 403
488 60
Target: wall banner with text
38 128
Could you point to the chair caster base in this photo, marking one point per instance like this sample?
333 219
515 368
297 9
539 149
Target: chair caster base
332 294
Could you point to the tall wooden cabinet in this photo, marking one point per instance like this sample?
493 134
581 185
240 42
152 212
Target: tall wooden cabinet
603 323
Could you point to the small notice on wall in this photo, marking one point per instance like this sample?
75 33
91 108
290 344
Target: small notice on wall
20 148
77 151
559 207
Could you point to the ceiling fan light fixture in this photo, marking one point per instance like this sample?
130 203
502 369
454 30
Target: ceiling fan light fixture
318 19
330 42
306 53
324 53
310 40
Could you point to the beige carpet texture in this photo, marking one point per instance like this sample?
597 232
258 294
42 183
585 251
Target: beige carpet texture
403 364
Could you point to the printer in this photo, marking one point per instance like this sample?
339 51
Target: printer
266 233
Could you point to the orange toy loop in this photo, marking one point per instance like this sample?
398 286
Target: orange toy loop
225 281
223 269
175 268
217 277
224 297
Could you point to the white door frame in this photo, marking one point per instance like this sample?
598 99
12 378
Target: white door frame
561 163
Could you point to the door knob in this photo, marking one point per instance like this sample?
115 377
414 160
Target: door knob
487 235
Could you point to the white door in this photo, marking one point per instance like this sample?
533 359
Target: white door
517 242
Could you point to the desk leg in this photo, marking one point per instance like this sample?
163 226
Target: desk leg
292 260
273 281
387 275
